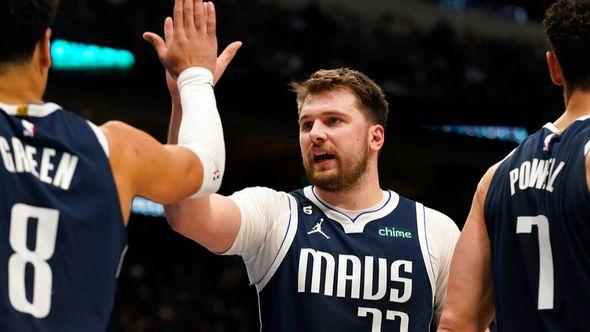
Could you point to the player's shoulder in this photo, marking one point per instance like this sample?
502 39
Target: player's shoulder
439 221
260 194
259 190
124 139
54 110
434 218
579 126
117 128
484 183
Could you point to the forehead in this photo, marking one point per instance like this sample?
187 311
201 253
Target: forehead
339 100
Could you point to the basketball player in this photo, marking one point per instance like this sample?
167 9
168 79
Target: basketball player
66 185
527 233
342 254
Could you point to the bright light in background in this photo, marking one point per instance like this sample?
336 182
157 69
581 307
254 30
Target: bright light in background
502 133
67 55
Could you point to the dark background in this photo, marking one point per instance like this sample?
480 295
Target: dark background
439 74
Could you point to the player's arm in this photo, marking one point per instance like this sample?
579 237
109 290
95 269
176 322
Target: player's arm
224 59
469 304
442 234
214 220
141 165
144 167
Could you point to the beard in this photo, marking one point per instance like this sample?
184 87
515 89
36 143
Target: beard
347 174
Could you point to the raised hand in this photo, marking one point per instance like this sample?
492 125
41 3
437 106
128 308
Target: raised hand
189 37
223 60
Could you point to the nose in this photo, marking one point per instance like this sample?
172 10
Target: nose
317 134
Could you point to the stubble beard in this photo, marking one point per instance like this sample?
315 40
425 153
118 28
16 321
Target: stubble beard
345 177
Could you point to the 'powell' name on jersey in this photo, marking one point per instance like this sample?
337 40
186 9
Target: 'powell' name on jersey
538 174
21 158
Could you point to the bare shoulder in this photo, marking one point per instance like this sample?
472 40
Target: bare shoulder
127 143
484 183
116 127
119 132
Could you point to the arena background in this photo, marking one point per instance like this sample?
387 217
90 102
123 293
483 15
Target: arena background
449 69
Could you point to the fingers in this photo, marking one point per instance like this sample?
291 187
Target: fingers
178 14
156 41
211 20
189 11
200 15
168 29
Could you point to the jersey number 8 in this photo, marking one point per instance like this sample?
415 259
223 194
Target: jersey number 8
47 220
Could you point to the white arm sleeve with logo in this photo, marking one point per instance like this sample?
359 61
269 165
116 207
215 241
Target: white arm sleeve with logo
442 234
267 218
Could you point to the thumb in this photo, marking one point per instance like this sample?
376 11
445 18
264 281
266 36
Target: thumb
156 41
229 53
225 58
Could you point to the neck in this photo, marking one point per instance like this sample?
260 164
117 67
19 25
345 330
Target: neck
20 85
365 194
577 105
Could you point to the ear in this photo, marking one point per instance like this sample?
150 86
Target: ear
44 46
554 69
376 137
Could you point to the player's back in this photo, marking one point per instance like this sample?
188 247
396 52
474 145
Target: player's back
537 212
61 229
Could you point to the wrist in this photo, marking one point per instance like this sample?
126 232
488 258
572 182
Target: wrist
199 75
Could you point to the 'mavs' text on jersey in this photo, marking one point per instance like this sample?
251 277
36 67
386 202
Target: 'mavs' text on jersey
537 174
351 274
21 158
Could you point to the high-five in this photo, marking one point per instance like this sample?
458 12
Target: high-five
68 184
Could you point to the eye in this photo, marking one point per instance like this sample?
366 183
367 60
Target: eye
306 126
334 120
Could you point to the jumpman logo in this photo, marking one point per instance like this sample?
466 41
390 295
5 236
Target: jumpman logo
318 229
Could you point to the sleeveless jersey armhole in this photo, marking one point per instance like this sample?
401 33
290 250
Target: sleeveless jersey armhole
102 138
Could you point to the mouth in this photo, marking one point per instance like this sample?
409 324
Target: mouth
321 157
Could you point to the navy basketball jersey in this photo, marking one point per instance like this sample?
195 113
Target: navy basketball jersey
61 229
374 276
537 212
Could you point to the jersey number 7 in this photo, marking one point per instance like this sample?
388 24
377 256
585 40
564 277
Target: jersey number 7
47 221
525 225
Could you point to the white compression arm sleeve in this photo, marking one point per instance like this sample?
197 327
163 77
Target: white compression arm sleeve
200 129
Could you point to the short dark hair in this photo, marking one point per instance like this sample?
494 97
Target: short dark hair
369 94
567 25
22 24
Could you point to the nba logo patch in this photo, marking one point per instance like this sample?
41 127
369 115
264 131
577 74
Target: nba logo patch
307 210
29 128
